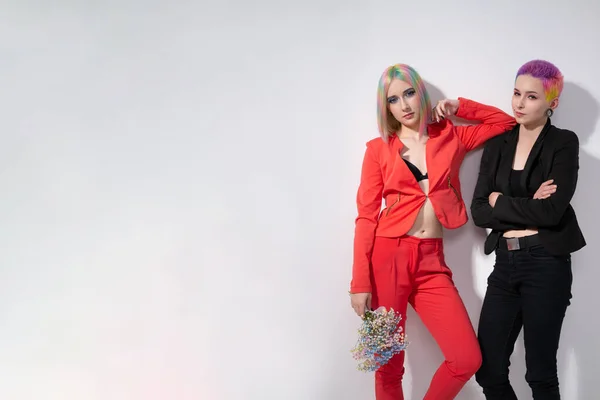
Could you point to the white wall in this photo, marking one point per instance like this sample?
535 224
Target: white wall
179 179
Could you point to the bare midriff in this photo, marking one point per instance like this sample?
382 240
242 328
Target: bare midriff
520 233
426 224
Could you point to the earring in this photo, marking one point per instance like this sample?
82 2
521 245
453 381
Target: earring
549 112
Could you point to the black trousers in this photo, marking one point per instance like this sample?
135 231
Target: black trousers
530 289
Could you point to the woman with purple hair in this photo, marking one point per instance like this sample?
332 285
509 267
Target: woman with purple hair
527 179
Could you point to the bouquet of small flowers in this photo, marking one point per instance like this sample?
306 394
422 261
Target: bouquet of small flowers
379 338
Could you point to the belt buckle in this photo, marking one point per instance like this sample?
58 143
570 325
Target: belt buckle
513 244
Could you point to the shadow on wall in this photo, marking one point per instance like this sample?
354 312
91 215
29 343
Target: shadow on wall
424 356
579 111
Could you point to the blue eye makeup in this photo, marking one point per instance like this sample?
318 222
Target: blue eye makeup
407 93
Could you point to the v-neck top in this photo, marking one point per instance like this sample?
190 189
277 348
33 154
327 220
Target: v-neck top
516 189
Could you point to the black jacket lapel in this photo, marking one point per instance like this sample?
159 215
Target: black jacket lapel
533 154
507 155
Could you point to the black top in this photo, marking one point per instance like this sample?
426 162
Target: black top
515 183
419 176
555 155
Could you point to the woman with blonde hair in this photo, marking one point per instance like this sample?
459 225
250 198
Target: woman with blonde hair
398 252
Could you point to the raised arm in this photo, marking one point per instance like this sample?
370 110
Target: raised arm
481 211
546 212
368 202
493 122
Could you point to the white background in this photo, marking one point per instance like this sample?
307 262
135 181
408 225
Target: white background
179 181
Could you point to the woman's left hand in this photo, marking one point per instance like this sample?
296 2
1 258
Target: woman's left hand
445 108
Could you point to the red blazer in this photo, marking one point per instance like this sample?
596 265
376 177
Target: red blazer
385 176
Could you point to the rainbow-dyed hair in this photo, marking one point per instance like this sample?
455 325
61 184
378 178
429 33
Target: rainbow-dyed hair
548 73
386 122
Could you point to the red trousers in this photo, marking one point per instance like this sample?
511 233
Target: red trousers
411 270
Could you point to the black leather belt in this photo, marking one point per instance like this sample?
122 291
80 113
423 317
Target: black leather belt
511 244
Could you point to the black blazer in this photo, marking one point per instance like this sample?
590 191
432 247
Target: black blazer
555 155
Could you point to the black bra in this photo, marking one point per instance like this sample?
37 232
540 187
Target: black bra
416 171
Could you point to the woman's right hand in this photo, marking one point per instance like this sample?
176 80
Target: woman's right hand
361 302
445 108
545 190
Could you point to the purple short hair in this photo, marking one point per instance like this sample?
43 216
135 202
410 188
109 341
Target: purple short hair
548 73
